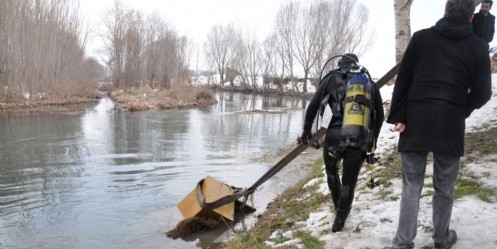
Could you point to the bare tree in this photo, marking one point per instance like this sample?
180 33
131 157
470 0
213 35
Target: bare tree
143 50
115 23
254 62
280 62
285 29
238 64
133 49
154 29
311 34
306 41
184 52
10 20
169 61
267 56
41 46
166 55
347 30
274 69
219 48
248 58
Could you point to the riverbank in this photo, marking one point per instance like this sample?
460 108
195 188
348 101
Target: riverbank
301 216
178 96
135 99
29 104
70 94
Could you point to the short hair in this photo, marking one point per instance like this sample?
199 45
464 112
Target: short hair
488 1
459 9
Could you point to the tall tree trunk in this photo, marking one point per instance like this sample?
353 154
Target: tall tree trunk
402 12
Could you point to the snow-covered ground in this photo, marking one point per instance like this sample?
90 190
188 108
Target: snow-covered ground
373 220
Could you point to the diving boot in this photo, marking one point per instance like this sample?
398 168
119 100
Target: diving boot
339 222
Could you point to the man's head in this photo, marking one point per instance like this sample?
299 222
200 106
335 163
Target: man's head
485 7
460 9
348 60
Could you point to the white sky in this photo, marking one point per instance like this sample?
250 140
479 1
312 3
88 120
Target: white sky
194 18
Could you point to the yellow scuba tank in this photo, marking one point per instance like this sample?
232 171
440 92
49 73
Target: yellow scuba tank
356 132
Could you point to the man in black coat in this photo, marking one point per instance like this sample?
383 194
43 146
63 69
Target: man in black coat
444 75
484 22
334 85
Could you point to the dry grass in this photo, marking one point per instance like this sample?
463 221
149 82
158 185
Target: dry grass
65 93
179 96
105 86
71 88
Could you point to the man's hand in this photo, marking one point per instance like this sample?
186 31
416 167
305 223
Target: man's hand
399 127
306 136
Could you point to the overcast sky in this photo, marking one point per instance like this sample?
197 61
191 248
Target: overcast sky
194 18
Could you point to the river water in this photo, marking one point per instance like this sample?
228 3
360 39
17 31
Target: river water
94 176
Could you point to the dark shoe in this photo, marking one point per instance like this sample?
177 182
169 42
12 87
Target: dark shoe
340 219
338 224
447 244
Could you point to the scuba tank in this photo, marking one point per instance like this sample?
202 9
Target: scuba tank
356 129
356 105
358 112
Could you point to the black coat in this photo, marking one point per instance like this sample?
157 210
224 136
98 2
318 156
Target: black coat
484 26
444 75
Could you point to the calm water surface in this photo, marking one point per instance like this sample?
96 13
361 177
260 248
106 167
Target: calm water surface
95 177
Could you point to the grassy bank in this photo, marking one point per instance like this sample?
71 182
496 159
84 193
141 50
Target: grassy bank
68 94
291 209
178 96
135 99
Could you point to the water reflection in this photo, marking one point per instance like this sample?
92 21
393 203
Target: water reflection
93 176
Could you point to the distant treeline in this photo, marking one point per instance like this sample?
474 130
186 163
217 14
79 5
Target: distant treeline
303 37
43 47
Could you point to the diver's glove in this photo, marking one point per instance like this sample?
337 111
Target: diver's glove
306 136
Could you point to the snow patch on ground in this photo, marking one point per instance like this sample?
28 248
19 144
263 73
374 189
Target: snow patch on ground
373 220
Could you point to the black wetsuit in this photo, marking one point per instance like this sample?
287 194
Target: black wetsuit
342 192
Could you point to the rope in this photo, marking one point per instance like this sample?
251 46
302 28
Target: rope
249 191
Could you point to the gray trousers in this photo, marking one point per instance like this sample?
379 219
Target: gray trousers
445 171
